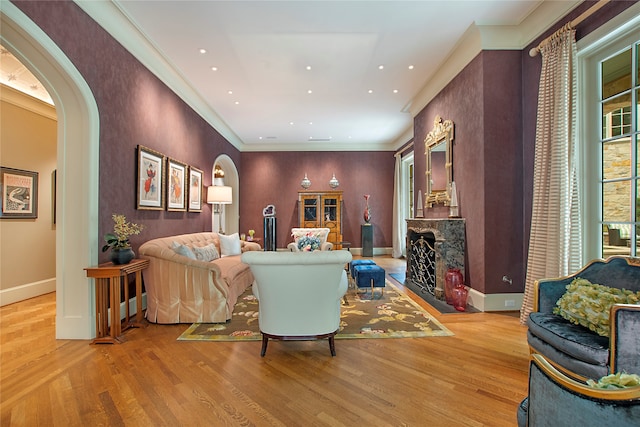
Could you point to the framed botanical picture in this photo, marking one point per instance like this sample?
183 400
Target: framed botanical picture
150 184
19 193
195 189
176 185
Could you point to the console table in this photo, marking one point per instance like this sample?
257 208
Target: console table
109 279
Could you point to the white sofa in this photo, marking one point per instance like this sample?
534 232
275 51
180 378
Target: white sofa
299 293
321 233
184 290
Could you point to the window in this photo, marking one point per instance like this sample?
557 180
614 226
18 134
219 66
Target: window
609 94
618 105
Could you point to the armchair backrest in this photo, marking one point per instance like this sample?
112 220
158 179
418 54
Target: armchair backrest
320 233
299 292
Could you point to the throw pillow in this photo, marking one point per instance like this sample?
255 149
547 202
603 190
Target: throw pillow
230 245
206 253
588 304
183 250
616 381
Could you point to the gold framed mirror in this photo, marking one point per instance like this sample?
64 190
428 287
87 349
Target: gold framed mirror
439 162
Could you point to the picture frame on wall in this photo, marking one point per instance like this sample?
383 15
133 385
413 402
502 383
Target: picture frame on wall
150 183
176 185
195 189
19 193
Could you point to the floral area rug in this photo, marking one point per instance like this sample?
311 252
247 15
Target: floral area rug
390 315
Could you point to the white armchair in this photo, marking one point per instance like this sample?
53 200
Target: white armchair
321 233
299 294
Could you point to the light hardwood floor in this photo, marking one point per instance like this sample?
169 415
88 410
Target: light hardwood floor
475 378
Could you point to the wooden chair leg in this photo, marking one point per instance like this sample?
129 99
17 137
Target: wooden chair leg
332 345
265 341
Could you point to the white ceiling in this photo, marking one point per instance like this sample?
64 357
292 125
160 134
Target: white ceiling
262 95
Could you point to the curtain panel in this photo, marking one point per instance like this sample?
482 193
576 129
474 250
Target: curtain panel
555 239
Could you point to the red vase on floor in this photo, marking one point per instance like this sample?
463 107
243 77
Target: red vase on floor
460 295
452 278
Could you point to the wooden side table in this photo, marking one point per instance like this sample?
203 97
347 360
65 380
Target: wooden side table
109 280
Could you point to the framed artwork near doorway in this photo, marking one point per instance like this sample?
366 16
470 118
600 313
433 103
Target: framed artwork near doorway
150 183
19 193
195 189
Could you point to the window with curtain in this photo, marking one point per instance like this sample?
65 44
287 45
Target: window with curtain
619 94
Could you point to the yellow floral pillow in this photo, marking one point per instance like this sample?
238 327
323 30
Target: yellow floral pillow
588 304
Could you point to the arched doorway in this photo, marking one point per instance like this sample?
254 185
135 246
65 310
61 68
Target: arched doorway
231 216
77 159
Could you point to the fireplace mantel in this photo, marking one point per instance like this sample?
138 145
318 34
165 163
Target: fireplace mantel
448 235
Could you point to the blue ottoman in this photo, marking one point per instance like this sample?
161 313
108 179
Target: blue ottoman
357 262
367 275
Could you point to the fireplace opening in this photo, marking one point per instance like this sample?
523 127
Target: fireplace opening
421 265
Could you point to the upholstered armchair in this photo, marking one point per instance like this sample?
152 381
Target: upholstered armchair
299 294
575 348
556 400
320 233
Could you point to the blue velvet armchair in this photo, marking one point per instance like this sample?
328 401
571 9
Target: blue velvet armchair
576 349
557 400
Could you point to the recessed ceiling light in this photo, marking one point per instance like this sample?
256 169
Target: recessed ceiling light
203 50
370 90
309 91
308 67
395 91
237 102
214 68
310 123
380 67
259 137
411 67
291 123
230 92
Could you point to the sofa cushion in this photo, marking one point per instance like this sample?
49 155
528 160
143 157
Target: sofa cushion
183 250
571 339
230 245
206 253
588 304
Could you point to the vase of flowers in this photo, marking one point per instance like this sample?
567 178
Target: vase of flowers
118 240
308 243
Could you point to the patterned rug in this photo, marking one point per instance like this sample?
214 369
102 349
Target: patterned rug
391 315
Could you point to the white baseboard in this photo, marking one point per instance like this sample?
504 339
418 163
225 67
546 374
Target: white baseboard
132 307
495 302
26 291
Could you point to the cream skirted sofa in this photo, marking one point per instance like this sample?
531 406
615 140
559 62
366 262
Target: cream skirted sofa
183 286
321 233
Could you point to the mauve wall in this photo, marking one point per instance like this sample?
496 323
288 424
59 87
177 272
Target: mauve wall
483 101
135 108
274 178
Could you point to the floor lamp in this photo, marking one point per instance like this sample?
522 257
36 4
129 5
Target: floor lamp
221 195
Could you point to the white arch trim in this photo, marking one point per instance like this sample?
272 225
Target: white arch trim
77 168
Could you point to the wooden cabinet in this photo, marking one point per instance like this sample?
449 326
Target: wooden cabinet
322 209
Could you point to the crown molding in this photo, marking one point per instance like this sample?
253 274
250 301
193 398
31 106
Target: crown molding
118 24
28 102
490 37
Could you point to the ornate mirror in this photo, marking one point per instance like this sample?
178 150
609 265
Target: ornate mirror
439 162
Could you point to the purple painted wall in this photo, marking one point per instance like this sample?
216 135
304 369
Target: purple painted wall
135 108
274 178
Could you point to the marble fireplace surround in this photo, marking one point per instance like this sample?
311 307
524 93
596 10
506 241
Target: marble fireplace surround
449 234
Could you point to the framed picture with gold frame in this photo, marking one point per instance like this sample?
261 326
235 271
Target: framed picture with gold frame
176 185
195 189
150 183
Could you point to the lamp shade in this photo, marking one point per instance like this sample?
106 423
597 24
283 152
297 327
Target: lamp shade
219 194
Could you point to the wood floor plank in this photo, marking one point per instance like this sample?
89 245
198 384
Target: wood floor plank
475 378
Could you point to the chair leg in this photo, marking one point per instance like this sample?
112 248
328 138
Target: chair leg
265 341
332 345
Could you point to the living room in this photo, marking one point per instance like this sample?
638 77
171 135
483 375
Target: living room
491 99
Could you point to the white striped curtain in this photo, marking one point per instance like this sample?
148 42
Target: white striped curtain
555 240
